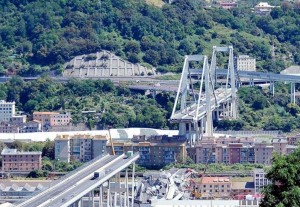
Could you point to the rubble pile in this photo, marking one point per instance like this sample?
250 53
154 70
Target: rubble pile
163 185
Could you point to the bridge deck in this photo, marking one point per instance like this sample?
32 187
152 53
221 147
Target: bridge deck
63 186
188 115
76 192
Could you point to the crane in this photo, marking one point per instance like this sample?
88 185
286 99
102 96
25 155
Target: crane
196 193
111 142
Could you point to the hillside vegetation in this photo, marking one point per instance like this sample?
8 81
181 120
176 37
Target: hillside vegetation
37 36
118 107
115 107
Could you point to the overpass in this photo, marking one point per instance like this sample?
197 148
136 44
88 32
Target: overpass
71 189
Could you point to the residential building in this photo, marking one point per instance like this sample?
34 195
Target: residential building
246 63
227 4
79 147
240 153
239 190
60 119
263 153
7 110
260 180
43 117
294 140
263 8
14 161
280 145
18 120
290 149
213 187
6 127
31 126
155 151
228 150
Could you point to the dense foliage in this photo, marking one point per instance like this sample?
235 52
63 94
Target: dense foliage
109 106
284 189
36 36
215 167
258 109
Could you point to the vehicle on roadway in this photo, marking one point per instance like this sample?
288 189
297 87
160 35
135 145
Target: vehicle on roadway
99 173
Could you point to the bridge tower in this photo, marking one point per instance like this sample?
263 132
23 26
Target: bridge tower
199 99
230 78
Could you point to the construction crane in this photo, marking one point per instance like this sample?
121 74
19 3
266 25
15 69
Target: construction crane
111 142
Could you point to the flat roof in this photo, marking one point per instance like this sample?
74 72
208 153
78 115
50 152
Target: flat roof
44 112
126 133
7 151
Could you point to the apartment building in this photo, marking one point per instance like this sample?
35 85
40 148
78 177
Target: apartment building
7 110
52 118
6 127
18 120
31 126
228 150
246 63
213 187
260 180
294 140
155 151
60 119
43 117
280 145
14 161
79 147
263 153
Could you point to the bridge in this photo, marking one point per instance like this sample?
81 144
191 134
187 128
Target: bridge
193 110
200 99
81 185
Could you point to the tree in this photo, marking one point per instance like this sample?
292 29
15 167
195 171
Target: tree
284 189
17 145
49 149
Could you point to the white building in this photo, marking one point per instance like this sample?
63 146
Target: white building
246 63
260 180
7 110
263 8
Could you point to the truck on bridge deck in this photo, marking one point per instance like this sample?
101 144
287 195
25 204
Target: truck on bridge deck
99 173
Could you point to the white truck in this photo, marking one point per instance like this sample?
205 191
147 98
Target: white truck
99 173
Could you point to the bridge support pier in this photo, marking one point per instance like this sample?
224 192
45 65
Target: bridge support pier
293 93
101 196
272 88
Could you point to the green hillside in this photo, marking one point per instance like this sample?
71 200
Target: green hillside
38 36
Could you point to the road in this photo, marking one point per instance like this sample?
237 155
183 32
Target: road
187 115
